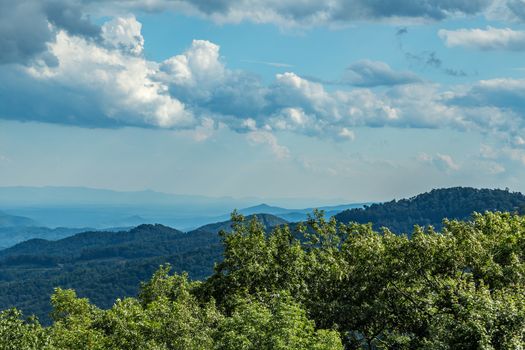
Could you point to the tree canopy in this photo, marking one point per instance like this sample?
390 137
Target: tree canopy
325 286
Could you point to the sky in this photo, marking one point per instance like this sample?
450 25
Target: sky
338 100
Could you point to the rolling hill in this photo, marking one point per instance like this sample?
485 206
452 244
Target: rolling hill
298 214
269 221
432 207
104 265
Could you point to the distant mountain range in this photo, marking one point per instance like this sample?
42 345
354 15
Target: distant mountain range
85 207
295 215
16 229
269 221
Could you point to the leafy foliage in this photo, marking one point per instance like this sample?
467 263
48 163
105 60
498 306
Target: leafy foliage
325 286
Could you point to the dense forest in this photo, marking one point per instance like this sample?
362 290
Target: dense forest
432 207
326 286
105 265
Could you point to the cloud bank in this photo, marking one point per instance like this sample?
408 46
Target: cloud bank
485 39
77 73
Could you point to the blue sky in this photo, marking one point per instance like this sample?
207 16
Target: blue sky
338 100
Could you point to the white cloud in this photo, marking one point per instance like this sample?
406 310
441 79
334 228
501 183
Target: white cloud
369 73
518 141
424 157
264 137
121 84
346 133
310 12
494 168
495 104
445 162
485 39
124 33
205 130
110 83
442 162
198 67
249 124
24 33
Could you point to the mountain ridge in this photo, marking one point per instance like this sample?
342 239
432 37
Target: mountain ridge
430 208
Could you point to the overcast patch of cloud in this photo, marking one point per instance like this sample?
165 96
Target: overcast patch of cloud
485 39
367 73
27 27
313 12
505 94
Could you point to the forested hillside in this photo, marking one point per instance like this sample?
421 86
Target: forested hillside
432 207
105 265
334 286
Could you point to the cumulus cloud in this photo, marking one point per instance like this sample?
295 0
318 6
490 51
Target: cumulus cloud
119 84
124 33
367 73
485 39
29 26
108 82
502 95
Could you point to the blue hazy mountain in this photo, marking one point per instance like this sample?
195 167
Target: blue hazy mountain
294 215
7 220
269 221
99 208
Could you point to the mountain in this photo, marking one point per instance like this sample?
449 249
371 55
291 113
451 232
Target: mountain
105 265
269 221
7 220
100 265
78 196
100 208
264 208
432 207
297 214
